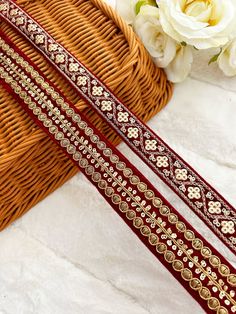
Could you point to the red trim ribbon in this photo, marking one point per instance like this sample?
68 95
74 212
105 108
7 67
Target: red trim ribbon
205 274
203 199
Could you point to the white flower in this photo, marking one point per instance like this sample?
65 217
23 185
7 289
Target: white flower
227 59
166 52
203 24
126 8
179 68
160 46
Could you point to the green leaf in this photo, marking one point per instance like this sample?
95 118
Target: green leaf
215 57
140 3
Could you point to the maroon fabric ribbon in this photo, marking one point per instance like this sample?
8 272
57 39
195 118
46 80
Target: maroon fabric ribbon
203 199
206 275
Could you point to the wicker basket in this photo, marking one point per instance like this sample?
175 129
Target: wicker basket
31 166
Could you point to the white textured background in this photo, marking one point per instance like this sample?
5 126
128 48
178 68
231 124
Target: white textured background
71 254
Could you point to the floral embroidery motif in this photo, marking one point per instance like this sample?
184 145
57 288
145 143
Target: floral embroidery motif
123 117
52 47
4 7
227 227
214 207
194 192
181 174
32 27
97 90
82 80
39 39
106 105
73 67
20 21
14 12
60 58
151 144
162 161
132 132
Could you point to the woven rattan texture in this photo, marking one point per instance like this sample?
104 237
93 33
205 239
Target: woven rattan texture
31 166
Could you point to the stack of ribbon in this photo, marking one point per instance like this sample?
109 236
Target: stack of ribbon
198 266
30 165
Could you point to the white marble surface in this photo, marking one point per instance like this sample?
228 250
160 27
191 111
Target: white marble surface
71 254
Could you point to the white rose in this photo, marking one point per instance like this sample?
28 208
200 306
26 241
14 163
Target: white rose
227 59
126 9
203 24
180 67
160 46
166 52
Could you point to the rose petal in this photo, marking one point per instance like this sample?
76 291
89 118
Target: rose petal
180 67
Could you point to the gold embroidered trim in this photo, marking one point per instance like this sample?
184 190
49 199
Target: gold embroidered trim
175 250
206 203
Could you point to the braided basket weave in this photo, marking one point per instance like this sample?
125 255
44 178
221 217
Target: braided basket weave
31 166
